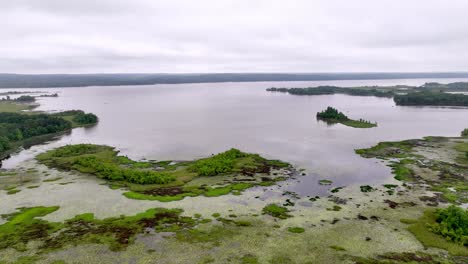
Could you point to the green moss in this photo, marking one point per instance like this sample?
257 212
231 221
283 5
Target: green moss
337 248
334 208
358 124
13 191
216 215
276 211
296 229
53 179
243 223
166 198
116 232
401 172
249 259
27 260
408 221
214 235
7 174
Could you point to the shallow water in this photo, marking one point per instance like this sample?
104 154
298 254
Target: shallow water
187 121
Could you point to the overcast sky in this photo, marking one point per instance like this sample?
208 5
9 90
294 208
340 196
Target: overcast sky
90 36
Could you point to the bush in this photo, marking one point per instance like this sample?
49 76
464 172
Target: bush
220 163
464 133
85 119
452 223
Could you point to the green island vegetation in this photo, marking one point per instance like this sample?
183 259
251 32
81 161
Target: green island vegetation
17 129
231 171
332 115
428 94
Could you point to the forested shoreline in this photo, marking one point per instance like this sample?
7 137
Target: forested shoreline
428 94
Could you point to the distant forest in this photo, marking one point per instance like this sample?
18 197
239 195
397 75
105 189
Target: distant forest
77 80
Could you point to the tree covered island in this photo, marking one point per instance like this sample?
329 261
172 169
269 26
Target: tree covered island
428 94
332 115
231 171
18 128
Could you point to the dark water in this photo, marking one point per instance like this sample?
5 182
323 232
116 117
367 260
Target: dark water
189 121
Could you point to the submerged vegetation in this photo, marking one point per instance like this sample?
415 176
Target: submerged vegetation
167 181
332 115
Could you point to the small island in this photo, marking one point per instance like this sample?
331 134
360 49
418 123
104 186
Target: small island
232 171
332 115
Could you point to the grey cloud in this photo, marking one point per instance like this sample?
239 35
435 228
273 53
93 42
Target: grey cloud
86 36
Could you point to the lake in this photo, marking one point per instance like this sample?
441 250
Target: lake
187 121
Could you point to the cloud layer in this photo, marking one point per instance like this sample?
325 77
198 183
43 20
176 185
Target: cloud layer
87 36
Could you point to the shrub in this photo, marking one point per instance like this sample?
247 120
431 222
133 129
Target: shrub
452 223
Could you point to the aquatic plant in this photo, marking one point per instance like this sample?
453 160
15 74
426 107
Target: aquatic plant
276 211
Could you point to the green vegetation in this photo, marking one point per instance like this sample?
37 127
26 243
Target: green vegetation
325 182
410 166
12 107
464 133
18 128
23 226
116 232
332 115
337 248
101 161
276 211
423 227
322 90
162 181
431 99
296 230
452 223
78 117
335 208
25 99
366 188
431 94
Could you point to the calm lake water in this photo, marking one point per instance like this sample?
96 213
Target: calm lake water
187 121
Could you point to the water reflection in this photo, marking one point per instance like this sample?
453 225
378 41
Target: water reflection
188 121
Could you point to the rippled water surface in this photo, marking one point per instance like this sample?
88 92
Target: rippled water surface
187 121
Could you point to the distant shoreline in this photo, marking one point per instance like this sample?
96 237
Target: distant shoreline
8 80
